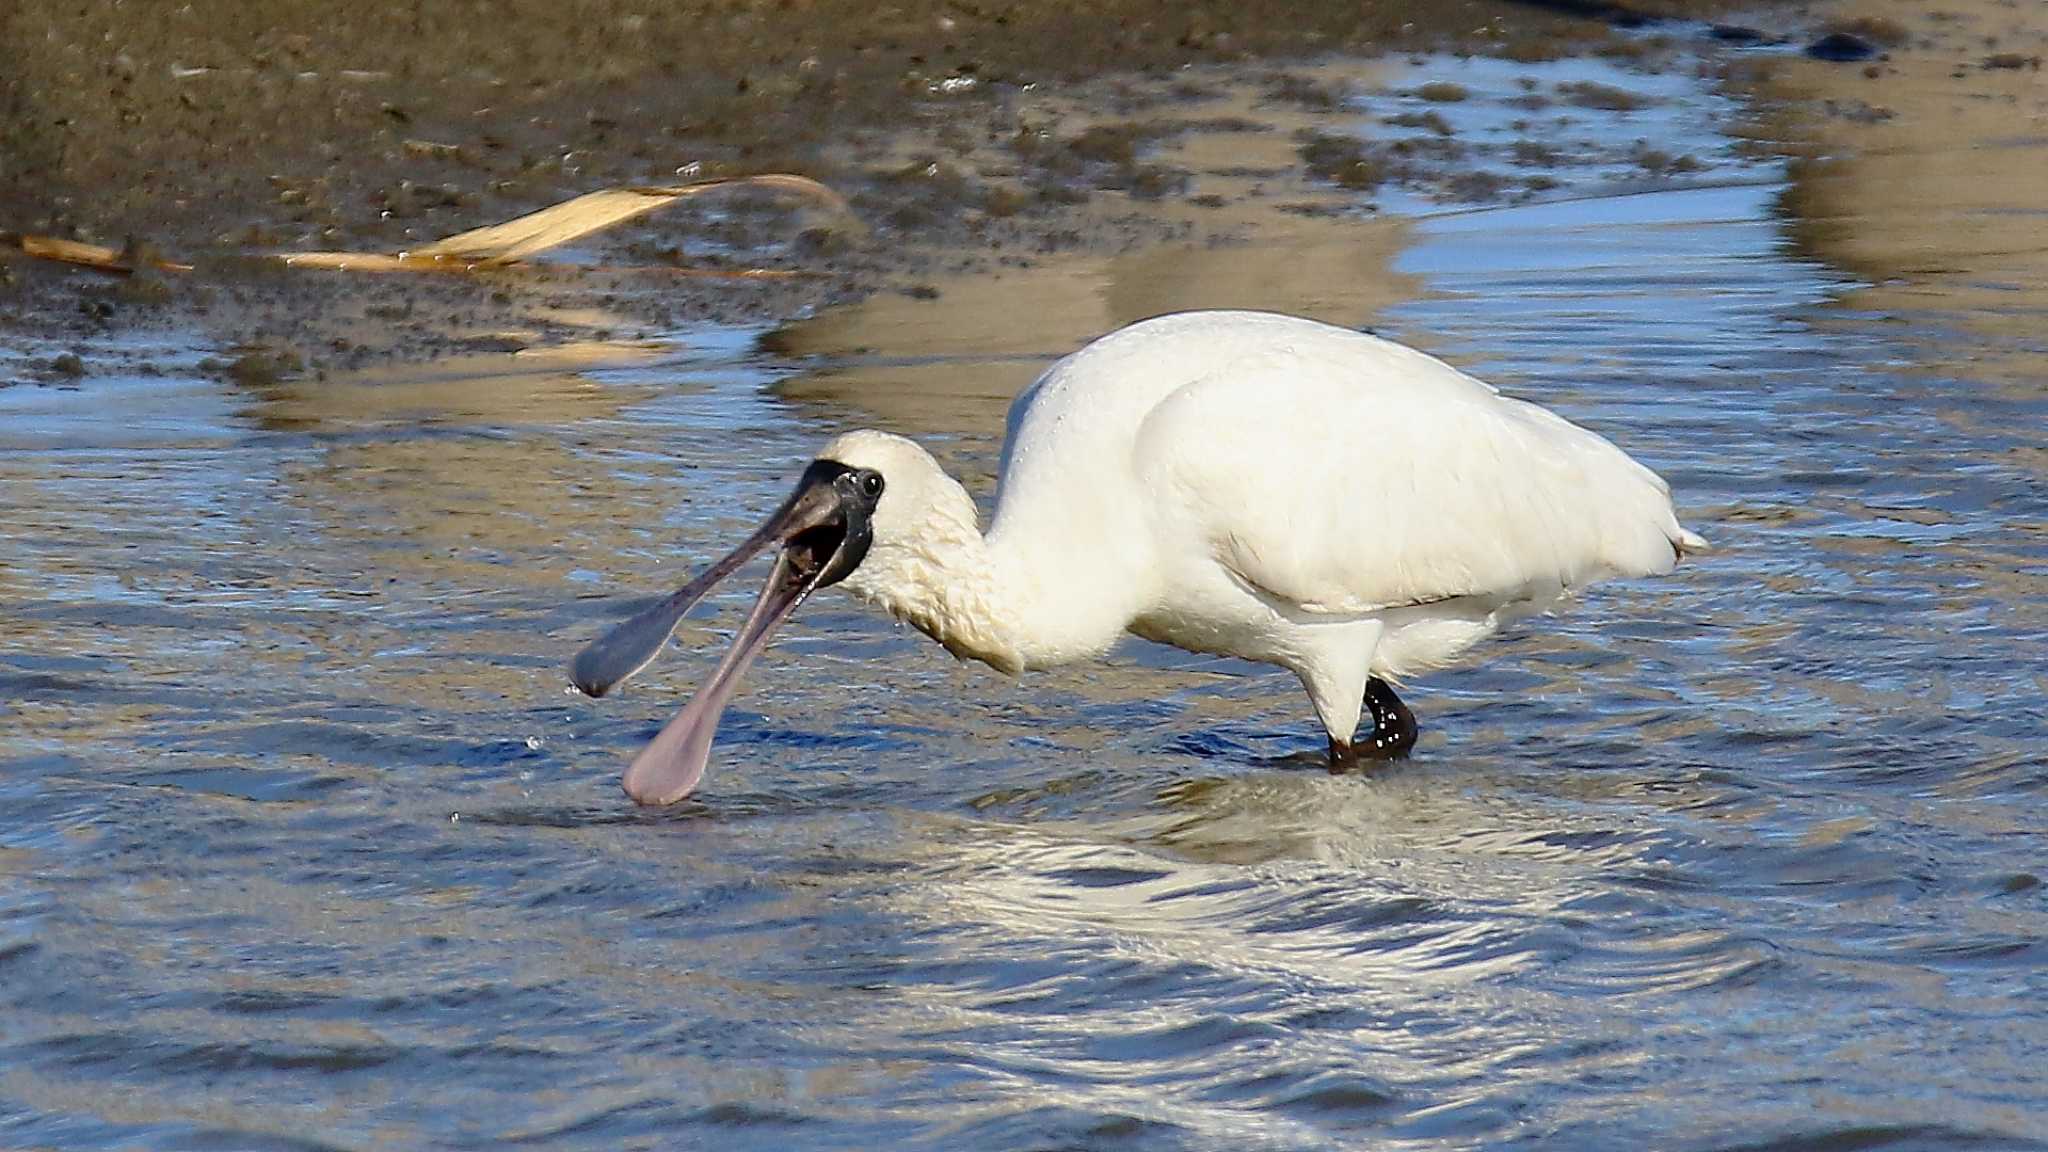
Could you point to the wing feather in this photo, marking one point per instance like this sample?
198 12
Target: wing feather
1342 474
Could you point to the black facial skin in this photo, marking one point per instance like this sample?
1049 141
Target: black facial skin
840 547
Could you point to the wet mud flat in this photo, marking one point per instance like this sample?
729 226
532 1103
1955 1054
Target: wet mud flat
225 130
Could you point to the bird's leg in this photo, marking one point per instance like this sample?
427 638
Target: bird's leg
1393 730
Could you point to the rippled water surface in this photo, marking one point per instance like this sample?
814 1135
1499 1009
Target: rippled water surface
303 843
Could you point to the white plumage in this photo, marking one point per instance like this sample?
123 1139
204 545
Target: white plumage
1261 486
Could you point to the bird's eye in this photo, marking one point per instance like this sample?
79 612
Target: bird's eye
871 485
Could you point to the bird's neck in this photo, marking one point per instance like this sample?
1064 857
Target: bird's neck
1012 600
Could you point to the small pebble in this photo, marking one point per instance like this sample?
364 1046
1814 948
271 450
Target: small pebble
1841 48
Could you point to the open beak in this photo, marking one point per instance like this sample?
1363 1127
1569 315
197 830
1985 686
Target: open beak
823 532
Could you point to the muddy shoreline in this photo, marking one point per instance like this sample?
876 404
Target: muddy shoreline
227 130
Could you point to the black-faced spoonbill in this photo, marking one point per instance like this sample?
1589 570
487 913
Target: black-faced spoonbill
1233 483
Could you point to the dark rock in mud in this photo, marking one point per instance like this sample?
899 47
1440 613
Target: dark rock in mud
1841 48
1617 14
1736 34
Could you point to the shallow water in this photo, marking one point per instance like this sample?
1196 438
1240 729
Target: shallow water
303 844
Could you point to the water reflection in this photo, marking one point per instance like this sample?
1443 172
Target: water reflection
1915 186
1000 329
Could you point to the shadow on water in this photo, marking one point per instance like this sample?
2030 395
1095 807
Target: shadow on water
305 845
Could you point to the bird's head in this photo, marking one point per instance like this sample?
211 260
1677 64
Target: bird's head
855 516
922 511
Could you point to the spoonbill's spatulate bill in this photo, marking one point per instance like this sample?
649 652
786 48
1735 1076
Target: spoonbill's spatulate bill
1233 483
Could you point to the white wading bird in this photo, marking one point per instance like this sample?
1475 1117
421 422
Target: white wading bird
1234 483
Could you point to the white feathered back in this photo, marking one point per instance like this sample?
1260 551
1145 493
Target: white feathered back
1433 486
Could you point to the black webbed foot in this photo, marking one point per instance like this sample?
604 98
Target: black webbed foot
1392 733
